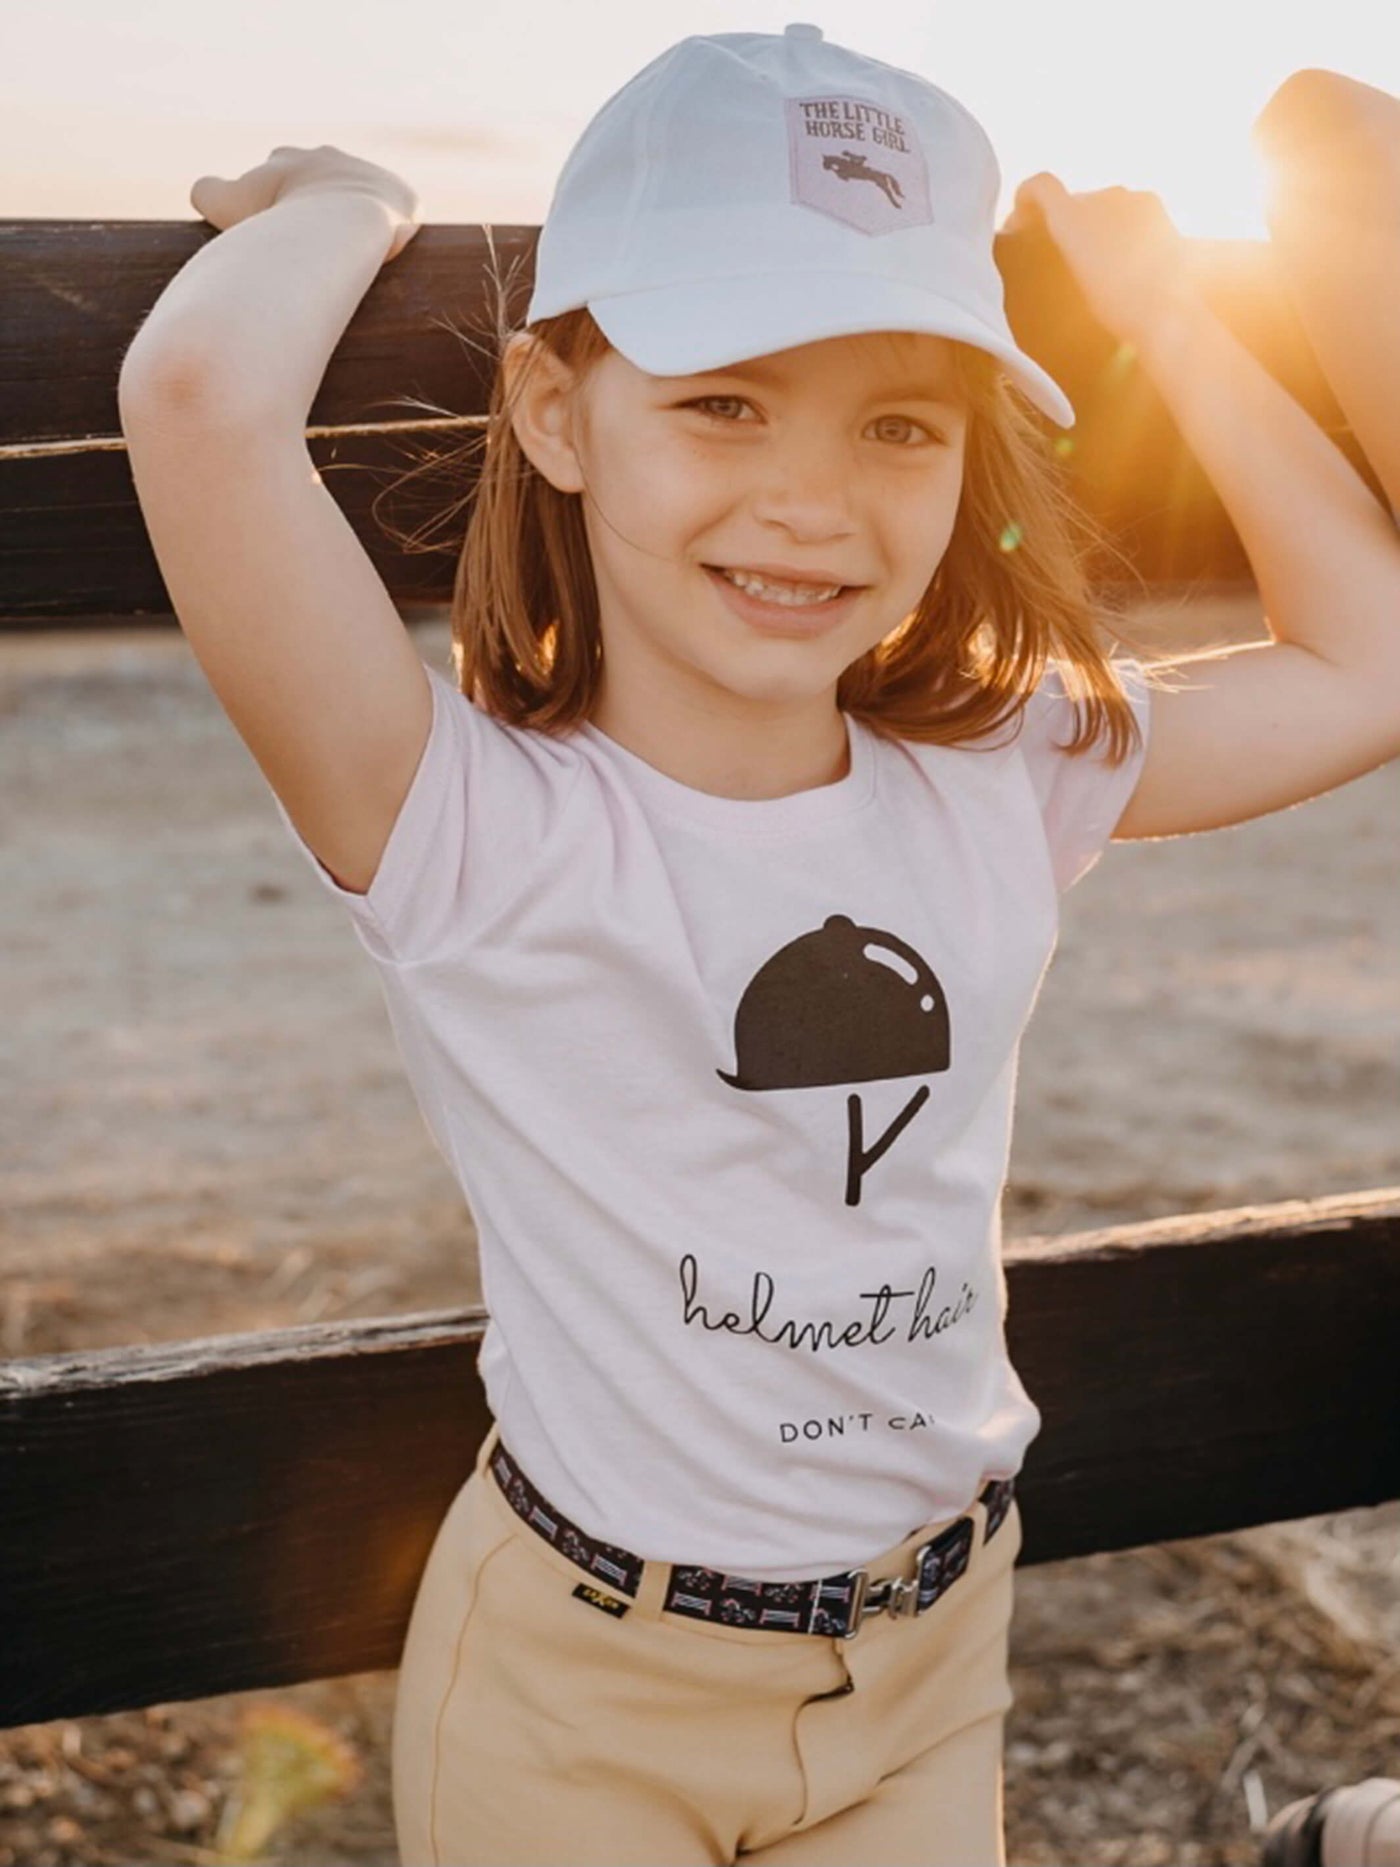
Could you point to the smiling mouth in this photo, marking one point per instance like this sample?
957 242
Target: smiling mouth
779 594
794 620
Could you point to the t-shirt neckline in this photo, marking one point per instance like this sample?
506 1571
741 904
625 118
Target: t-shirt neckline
799 810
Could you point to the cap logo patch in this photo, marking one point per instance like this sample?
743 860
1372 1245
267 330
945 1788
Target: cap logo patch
857 162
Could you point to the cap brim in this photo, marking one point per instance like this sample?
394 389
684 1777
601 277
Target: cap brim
707 324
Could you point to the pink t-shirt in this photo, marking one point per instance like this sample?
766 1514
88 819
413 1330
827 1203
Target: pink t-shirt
728 1088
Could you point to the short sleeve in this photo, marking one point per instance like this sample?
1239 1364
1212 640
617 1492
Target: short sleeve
484 796
1081 795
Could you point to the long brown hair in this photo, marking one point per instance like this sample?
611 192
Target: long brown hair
1011 593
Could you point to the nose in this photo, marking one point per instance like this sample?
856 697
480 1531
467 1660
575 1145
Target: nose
805 486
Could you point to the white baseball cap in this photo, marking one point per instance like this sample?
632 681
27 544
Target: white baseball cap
746 192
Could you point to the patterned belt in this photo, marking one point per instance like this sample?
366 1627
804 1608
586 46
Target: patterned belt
833 1605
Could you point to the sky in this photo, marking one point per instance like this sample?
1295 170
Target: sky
112 111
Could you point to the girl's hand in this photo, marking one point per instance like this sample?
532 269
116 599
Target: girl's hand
1126 256
289 171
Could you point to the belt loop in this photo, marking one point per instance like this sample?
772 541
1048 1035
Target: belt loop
855 1612
651 1589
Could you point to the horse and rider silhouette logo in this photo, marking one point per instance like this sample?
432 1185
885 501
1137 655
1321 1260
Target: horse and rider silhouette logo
858 162
856 168
843 1004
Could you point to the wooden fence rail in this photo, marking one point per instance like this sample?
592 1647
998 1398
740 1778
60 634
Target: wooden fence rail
74 293
253 1510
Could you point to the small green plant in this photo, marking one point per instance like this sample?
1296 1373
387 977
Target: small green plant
291 1763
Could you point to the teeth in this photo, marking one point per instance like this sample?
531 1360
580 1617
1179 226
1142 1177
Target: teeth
793 596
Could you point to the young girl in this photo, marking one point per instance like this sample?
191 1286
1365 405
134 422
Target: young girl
711 896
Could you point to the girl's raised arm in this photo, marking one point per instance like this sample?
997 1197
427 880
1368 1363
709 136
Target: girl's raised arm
280 602
1334 217
1263 725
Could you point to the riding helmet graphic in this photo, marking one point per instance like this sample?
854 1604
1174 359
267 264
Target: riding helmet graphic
846 1004
838 1006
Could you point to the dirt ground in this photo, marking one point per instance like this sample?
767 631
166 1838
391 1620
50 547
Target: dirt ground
208 1129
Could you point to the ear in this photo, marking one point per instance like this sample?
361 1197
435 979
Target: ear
543 415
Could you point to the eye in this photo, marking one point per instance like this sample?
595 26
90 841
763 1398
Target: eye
918 426
706 404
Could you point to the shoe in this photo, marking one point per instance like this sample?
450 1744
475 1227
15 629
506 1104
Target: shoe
1357 1825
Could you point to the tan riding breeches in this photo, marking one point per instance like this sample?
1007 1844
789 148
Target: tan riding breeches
534 1727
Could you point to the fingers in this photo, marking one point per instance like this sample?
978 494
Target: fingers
1035 199
290 168
1045 189
405 232
204 195
224 200
1038 190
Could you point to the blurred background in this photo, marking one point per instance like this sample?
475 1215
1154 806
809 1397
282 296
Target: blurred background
111 112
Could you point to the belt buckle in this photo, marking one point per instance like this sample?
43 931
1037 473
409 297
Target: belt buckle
895 1596
903 1598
